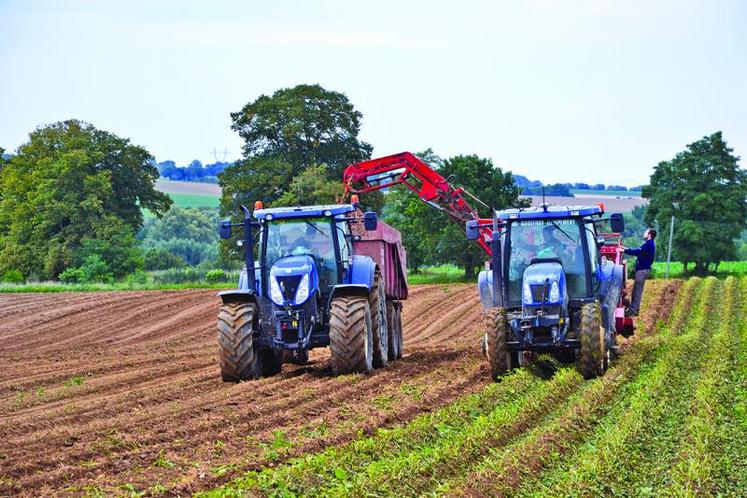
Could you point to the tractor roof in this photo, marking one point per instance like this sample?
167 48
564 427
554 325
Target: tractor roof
303 211
549 212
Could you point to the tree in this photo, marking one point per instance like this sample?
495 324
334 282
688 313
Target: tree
69 183
433 238
705 190
294 129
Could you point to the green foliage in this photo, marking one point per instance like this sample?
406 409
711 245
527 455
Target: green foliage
182 235
432 238
311 186
70 183
215 276
158 258
12 276
705 190
285 134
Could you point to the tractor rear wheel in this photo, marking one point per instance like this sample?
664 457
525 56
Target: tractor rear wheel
592 341
238 357
350 335
377 304
496 342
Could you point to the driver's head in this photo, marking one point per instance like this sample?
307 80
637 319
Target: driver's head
548 233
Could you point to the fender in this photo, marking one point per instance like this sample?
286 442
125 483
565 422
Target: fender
362 271
238 296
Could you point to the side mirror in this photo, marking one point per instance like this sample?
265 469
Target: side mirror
370 222
472 230
617 223
224 229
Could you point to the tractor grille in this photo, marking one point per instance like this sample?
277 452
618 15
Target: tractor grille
537 291
288 286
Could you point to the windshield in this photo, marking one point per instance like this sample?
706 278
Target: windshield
307 236
546 239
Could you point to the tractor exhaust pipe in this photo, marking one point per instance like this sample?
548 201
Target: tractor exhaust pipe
496 264
249 249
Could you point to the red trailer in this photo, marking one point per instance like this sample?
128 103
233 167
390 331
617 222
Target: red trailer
384 247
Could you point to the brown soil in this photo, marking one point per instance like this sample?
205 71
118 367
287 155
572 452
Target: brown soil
121 391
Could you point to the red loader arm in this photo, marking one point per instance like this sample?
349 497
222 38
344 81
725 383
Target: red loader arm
408 170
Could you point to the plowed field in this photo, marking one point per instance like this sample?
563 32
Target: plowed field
120 393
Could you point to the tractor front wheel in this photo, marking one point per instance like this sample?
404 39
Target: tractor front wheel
593 352
377 304
351 335
238 357
496 342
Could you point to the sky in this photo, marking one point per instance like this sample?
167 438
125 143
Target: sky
595 91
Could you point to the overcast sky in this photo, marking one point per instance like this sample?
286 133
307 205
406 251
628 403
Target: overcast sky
561 91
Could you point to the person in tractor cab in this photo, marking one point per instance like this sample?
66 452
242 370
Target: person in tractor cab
645 258
553 248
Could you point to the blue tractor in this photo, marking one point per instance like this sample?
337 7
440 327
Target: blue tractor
307 288
555 284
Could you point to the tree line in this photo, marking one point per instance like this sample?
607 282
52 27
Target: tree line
73 197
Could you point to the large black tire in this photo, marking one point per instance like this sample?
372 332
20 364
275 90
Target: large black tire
377 304
399 334
592 341
394 329
239 359
351 335
500 360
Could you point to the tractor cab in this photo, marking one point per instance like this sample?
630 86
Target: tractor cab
305 251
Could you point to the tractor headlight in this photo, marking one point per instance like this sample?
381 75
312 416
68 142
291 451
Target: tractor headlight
303 290
527 293
554 295
275 294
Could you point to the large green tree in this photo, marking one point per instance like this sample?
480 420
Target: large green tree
71 184
431 237
705 190
287 133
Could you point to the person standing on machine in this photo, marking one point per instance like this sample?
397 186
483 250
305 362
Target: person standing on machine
645 258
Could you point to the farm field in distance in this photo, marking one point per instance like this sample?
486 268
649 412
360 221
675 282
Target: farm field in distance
191 194
120 393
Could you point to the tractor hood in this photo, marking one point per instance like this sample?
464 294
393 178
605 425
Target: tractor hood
293 280
545 279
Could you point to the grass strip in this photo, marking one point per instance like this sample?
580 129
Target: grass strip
610 462
728 475
505 471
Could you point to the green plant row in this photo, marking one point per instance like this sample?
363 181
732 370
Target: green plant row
701 453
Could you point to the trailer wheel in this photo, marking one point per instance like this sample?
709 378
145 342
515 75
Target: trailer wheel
377 304
391 329
592 341
496 342
399 334
351 335
238 357
394 324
